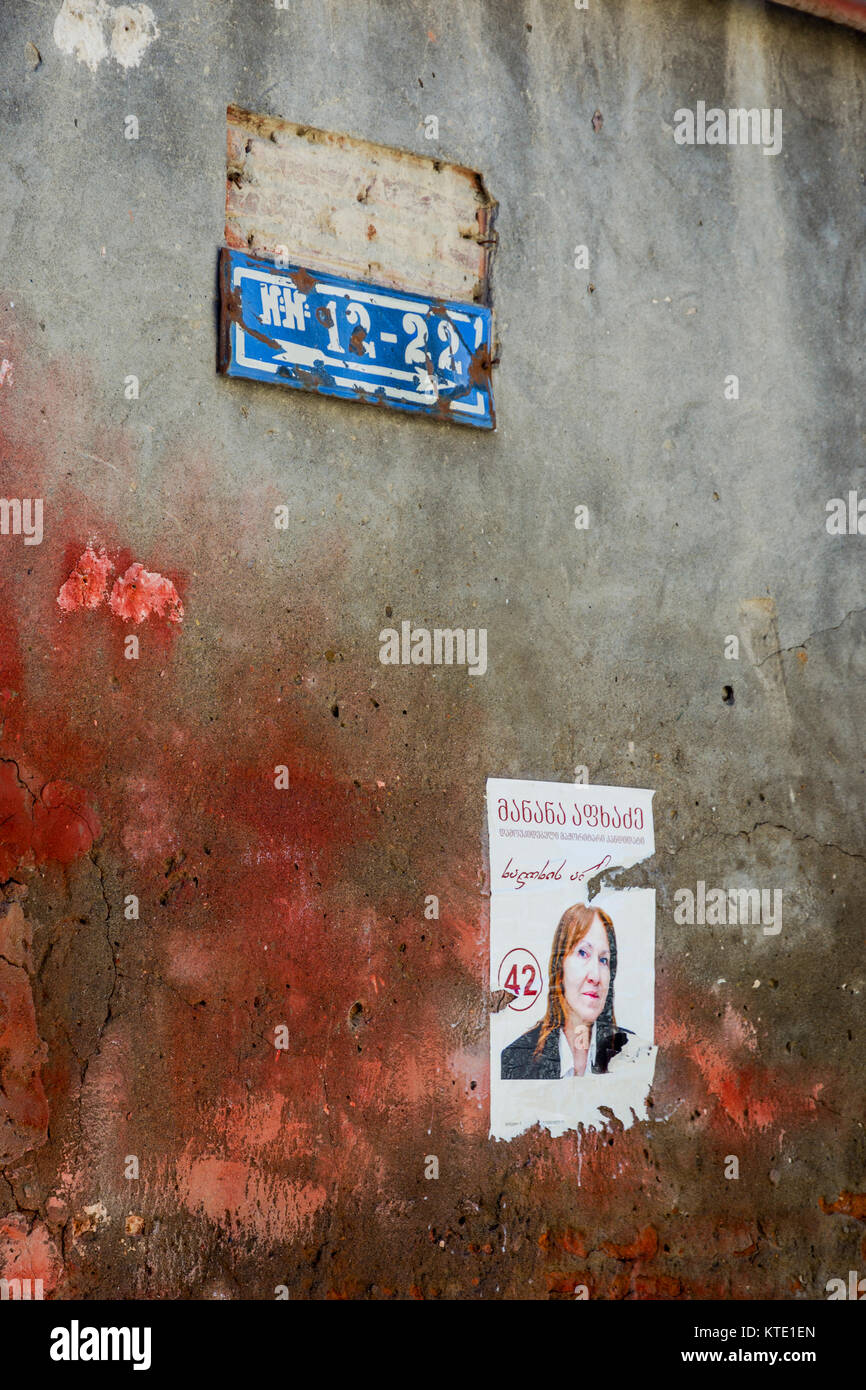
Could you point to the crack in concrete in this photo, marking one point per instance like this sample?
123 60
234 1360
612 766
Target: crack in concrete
160 980
13 762
759 825
781 651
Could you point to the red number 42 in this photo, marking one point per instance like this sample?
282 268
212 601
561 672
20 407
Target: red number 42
511 982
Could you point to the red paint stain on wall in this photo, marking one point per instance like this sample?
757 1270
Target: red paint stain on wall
569 1241
150 828
246 1198
137 594
751 1096
643 1247
260 907
140 594
27 1251
40 822
87 584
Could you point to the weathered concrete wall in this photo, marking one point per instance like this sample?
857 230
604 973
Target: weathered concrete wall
154 777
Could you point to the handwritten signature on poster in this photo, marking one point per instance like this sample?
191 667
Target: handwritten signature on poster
550 873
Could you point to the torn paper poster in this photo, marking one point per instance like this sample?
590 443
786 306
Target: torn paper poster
572 969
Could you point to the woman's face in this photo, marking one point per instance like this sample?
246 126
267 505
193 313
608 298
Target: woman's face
586 973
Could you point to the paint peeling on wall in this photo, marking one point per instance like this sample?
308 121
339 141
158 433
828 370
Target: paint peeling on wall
140 594
87 584
90 30
135 595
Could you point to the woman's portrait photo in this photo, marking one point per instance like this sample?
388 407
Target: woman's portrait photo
579 1032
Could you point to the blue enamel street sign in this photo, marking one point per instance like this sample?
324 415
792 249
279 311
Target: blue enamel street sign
352 339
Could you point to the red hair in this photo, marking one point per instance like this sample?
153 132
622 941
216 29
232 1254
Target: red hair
572 927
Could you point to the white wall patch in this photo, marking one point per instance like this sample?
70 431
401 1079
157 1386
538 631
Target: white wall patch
91 29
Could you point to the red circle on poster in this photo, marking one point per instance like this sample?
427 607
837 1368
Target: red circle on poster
520 974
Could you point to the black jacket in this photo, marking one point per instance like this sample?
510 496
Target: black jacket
519 1062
